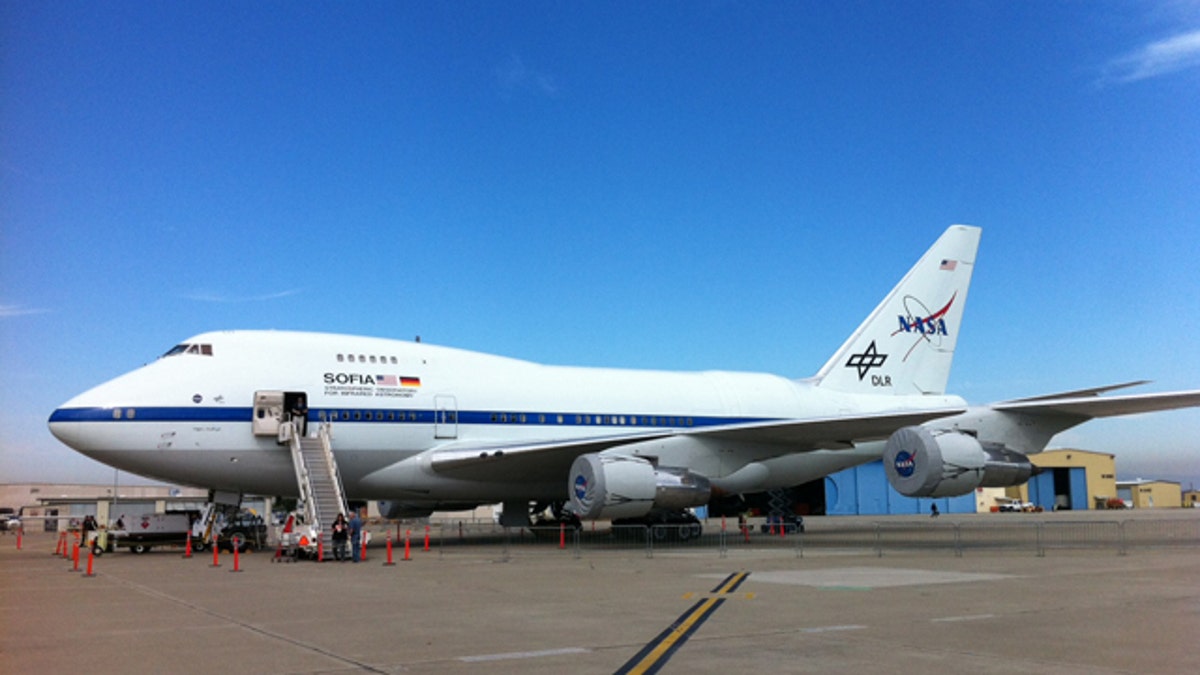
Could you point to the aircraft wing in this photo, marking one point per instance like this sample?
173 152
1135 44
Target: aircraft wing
836 432
551 460
1089 405
536 461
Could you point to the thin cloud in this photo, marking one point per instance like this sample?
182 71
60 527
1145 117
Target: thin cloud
514 76
8 311
229 299
1157 58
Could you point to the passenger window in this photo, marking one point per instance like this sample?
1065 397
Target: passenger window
341 358
372 359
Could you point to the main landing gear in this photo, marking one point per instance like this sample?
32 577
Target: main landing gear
666 525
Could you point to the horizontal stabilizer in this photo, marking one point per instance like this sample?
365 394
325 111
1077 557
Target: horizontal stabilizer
1102 406
1094 391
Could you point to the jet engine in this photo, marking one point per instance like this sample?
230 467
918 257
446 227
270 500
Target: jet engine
619 486
930 463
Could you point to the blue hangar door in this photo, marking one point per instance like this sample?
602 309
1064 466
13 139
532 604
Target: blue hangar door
1060 489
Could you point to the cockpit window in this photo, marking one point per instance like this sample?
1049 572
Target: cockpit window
200 349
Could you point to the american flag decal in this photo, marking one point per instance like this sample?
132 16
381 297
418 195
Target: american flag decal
948 265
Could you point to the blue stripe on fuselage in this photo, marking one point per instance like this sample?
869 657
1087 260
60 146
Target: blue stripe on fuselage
397 416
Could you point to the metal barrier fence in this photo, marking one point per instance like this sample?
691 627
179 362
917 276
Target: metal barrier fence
957 538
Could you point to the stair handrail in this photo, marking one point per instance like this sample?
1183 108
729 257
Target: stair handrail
302 477
325 433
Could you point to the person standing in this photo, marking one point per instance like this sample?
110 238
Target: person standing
355 536
341 532
89 526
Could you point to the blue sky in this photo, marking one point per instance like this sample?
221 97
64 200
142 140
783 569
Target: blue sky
668 185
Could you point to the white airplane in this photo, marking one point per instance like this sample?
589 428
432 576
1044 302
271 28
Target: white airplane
433 428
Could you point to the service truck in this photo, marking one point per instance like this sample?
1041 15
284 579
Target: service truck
143 532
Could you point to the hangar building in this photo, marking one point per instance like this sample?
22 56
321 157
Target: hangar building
1071 479
1150 494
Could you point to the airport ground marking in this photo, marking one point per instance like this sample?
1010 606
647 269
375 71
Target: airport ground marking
969 617
507 656
654 655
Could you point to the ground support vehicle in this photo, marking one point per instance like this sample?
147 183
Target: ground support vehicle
245 532
145 532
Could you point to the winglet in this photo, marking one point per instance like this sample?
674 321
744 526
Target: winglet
907 344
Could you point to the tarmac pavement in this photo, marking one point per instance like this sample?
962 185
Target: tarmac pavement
539 609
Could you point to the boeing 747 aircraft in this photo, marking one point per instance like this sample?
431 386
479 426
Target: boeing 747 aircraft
433 428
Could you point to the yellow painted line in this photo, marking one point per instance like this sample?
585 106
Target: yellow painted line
646 662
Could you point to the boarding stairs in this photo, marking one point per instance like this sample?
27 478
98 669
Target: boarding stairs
321 495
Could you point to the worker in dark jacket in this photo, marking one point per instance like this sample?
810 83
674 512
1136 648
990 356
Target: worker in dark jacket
341 532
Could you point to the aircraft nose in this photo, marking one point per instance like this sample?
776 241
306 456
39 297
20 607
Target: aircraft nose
65 427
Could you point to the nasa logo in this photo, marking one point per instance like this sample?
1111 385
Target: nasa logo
197 398
580 487
924 326
918 319
905 464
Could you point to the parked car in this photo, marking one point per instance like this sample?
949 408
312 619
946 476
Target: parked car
1017 506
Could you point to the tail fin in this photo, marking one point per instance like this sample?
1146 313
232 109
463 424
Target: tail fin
907 344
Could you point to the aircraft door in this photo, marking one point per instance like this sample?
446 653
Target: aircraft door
268 412
272 408
445 416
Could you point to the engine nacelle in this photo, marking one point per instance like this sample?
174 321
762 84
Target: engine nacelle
923 463
617 486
